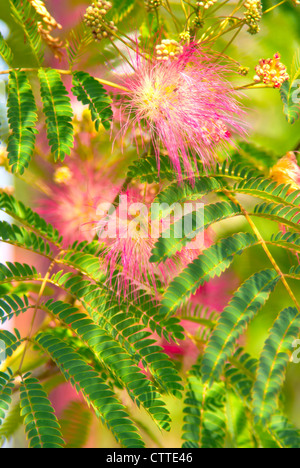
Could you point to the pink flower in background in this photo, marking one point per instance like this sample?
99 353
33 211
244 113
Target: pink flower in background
186 103
216 294
74 196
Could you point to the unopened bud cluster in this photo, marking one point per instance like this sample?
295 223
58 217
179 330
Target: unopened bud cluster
198 22
243 70
253 15
205 4
152 5
3 156
271 71
169 49
95 19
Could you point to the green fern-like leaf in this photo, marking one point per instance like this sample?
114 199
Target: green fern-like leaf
122 9
22 116
233 321
77 42
291 104
239 427
268 190
17 272
204 420
173 240
29 218
11 306
102 339
11 340
278 432
295 68
89 91
280 213
11 423
94 389
146 170
273 362
212 262
143 348
283 432
140 304
6 388
188 191
58 111
20 237
253 155
240 373
42 427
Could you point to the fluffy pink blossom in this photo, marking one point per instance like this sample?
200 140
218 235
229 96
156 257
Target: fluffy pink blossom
71 206
271 71
129 250
187 104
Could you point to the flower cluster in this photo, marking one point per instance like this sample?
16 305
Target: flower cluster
271 71
187 106
95 19
169 49
243 70
253 15
152 5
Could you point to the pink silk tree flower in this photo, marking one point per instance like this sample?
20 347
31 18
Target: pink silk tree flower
130 238
187 105
73 199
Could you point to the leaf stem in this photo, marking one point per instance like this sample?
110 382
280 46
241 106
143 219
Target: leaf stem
265 248
68 72
43 285
274 6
